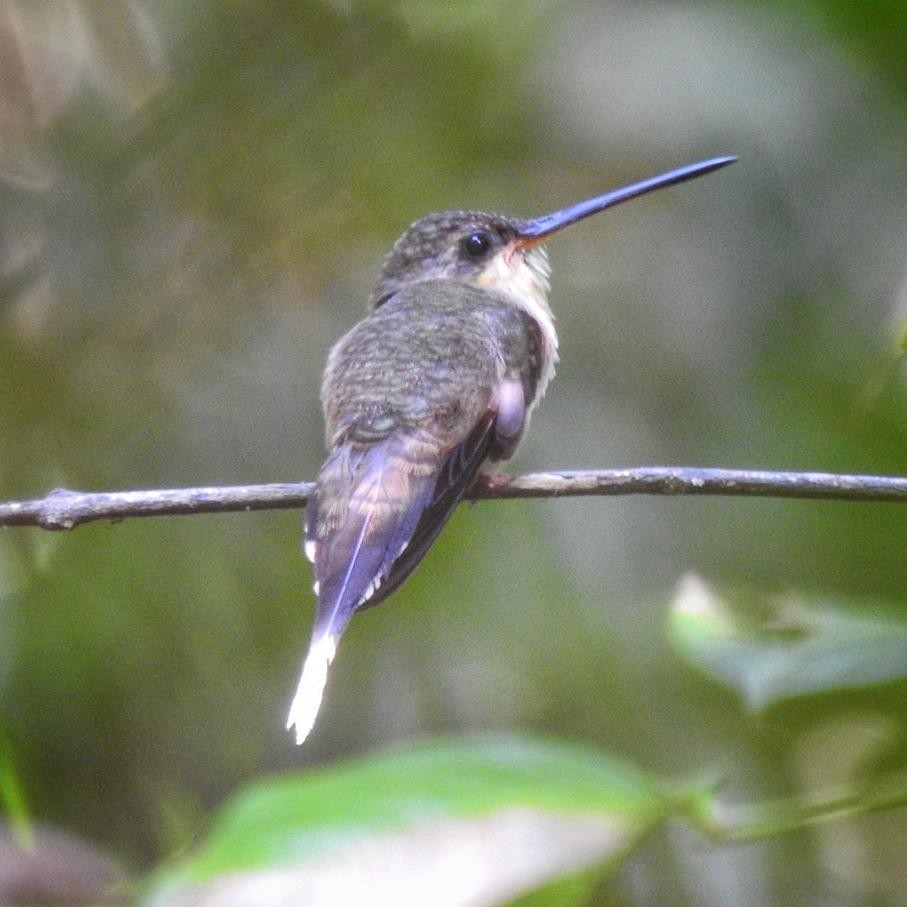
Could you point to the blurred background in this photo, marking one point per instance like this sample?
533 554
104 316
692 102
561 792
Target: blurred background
196 200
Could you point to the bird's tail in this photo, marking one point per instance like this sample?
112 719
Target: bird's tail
307 700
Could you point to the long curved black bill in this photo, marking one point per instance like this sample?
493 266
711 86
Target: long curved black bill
538 229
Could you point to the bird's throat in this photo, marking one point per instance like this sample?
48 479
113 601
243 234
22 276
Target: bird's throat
522 276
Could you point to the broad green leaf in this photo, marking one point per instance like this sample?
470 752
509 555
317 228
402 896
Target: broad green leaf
797 646
476 822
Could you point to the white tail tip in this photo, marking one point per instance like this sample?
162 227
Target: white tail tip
307 700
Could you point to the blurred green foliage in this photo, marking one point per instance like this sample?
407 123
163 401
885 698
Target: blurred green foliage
794 648
196 199
407 813
484 821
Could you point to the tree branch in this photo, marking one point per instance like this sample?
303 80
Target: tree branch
63 509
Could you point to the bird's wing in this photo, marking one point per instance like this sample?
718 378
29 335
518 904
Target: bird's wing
374 514
495 436
457 473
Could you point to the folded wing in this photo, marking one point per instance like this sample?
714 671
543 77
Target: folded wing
376 510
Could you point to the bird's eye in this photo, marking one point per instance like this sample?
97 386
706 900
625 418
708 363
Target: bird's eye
476 244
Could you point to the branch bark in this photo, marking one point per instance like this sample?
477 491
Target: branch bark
65 509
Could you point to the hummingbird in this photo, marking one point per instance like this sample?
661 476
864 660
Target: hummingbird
440 378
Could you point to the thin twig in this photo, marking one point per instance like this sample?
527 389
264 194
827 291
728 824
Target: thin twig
63 509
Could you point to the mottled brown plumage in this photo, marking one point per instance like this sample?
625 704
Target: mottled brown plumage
438 379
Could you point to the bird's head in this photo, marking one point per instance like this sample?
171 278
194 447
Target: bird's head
497 253
487 251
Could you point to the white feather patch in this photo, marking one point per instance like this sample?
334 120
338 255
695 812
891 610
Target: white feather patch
307 700
523 277
310 548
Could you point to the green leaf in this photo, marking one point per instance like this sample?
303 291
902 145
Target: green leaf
786 647
478 822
